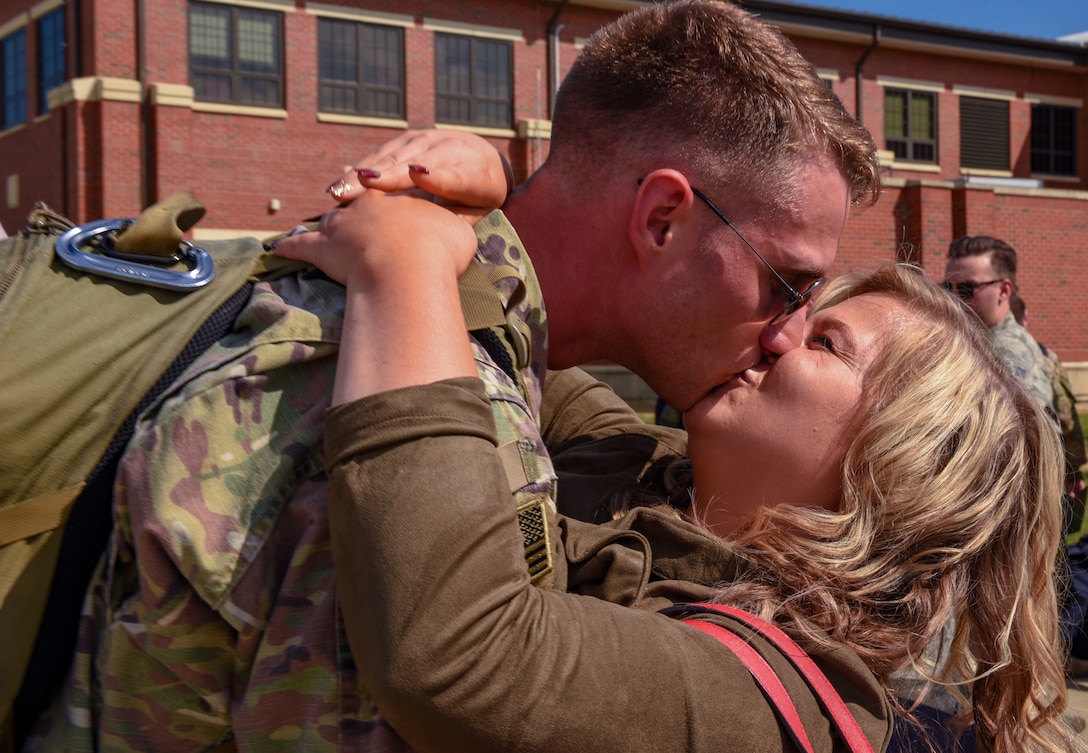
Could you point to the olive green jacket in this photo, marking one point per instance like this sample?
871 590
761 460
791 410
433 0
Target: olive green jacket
462 653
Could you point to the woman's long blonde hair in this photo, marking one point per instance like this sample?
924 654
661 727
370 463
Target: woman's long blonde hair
950 516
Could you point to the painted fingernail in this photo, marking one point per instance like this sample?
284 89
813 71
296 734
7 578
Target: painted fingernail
366 172
339 189
419 169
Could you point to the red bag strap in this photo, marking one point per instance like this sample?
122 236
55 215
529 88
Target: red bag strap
765 677
829 698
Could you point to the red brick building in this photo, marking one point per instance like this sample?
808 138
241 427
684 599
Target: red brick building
108 105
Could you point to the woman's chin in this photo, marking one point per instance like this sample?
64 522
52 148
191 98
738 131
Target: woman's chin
713 409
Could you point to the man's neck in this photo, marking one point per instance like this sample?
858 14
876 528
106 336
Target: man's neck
567 256
1002 313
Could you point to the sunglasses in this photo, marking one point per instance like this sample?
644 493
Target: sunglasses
966 290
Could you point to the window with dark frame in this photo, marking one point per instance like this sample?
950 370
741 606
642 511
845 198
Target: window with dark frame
236 55
13 79
910 124
473 81
1053 140
984 133
360 68
51 46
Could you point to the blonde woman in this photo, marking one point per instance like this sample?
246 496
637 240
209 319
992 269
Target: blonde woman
861 491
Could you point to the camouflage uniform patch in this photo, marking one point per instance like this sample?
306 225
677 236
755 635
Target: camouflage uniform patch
214 615
1021 353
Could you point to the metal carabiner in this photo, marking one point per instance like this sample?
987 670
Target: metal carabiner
200 262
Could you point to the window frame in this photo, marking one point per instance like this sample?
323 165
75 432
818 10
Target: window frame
477 103
236 76
359 86
52 59
13 73
906 148
1050 152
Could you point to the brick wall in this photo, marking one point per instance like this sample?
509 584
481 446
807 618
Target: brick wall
237 164
916 220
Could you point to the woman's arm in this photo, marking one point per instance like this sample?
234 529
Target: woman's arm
462 654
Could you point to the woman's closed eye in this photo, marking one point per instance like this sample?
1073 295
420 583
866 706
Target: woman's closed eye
822 341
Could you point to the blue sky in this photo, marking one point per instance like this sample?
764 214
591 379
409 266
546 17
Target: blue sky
1043 19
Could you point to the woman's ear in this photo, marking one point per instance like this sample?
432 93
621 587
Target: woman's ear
662 207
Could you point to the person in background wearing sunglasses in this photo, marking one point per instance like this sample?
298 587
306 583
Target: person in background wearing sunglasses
981 270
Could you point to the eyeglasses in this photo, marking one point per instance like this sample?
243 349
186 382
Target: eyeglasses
966 290
796 298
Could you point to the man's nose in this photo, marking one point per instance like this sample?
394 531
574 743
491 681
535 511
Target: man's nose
784 335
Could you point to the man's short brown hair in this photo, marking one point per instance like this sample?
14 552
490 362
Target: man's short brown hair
1002 255
711 89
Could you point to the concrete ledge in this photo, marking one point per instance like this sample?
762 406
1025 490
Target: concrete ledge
533 128
94 88
1078 375
171 95
362 120
498 133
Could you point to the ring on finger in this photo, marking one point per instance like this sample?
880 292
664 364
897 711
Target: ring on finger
340 189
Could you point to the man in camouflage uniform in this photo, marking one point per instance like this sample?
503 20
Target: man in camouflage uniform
982 271
214 622
1068 417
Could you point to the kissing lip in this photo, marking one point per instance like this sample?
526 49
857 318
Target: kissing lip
751 375
754 374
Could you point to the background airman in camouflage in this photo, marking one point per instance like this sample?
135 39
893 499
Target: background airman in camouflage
1068 417
981 270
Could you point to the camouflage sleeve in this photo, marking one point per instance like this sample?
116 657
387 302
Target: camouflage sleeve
1038 384
213 608
1026 360
1065 404
221 621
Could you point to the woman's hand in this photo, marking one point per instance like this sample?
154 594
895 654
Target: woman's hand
461 168
399 257
381 236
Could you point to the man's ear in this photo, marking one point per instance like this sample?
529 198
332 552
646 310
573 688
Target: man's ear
662 207
1006 288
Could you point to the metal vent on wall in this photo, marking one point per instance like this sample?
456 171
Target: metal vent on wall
984 133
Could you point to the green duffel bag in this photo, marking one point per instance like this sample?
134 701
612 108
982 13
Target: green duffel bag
91 319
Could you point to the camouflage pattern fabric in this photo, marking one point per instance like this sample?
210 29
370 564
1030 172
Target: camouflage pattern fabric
1021 353
213 621
1065 406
